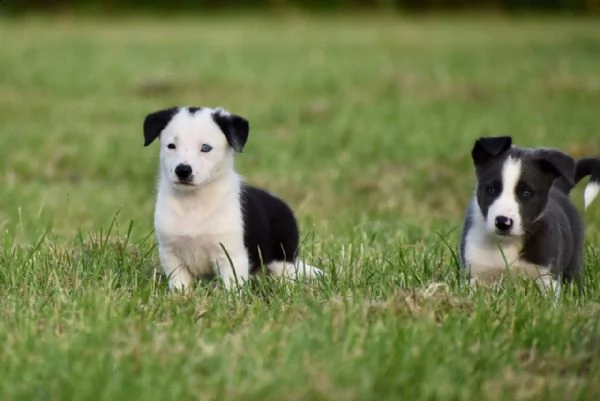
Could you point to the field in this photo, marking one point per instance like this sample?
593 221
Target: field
364 125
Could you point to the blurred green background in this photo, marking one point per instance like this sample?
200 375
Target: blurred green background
363 121
578 6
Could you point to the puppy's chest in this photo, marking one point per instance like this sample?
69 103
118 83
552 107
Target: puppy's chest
195 235
197 253
194 220
490 254
483 255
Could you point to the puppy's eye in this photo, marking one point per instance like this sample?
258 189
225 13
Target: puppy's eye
491 190
526 193
205 148
171 146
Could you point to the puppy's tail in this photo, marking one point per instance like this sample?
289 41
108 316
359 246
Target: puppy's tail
589 166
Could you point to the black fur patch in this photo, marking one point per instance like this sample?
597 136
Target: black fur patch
155 122
486 149
270 228
588 166
235 128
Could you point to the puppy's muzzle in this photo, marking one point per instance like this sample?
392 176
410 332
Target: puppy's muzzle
503 224
183 172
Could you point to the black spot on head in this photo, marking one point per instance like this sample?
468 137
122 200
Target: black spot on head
193 110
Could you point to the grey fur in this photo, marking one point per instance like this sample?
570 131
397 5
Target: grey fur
554 229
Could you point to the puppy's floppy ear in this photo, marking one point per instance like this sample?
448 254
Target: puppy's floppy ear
555 163
486 149
155 122
235 128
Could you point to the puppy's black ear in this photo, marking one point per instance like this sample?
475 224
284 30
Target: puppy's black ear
555 164
155 122
486 149
235 128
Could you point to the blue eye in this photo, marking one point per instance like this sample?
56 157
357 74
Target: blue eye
526 194
205 148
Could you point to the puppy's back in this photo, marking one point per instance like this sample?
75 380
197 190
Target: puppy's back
573 229
270 228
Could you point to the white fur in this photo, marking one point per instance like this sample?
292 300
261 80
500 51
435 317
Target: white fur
549 286
590 193
489 257
199 227
188 133
294 271
486 252
506 204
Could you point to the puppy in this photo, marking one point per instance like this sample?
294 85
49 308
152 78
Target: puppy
521 221
207 220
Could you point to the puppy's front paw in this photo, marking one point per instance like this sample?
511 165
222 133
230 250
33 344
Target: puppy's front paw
233 272
180 280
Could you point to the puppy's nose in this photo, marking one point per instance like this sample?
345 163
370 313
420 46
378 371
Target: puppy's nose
183 171
504 223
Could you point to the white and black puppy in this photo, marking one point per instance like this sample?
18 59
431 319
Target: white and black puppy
207 220
521 220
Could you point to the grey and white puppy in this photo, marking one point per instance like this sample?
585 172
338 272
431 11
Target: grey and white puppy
521 221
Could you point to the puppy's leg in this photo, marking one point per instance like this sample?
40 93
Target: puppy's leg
178 274
234 273
293 271
542 276
485 275
307 271
549 286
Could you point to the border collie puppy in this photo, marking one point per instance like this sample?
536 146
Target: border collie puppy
521 221
207 220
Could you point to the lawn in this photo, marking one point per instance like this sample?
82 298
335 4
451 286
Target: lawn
364 125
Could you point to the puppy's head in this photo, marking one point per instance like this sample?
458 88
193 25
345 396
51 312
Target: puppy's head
513 183
196 144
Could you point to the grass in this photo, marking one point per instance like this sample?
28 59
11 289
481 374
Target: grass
364 125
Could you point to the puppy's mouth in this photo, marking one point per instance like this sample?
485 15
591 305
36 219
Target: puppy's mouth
184 183
506 235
